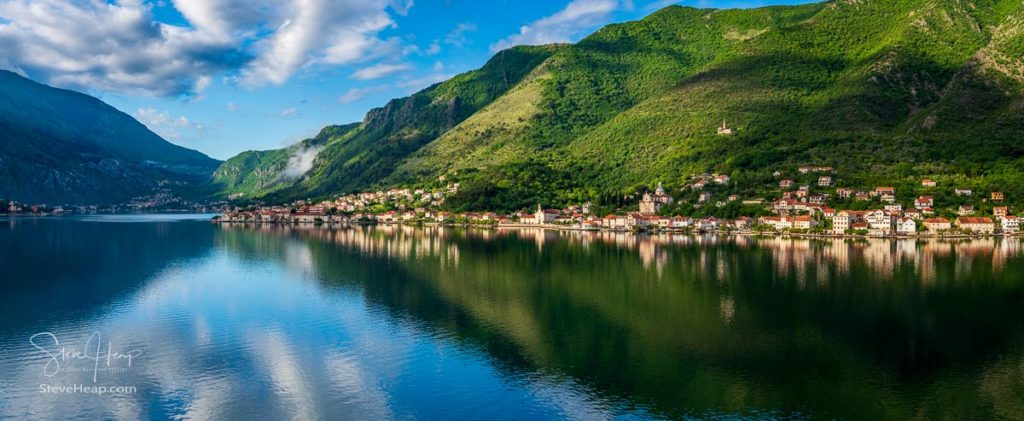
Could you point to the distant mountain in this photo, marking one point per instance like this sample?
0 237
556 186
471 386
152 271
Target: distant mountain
59 146
883 90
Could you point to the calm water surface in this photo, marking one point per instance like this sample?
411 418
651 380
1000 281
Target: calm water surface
265 322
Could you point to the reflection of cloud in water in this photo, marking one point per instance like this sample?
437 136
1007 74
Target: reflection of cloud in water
218 330
354 386
573 401
208 398
298 257
199 335
277 360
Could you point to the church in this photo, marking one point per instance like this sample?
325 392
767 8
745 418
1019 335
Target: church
651 204
725 130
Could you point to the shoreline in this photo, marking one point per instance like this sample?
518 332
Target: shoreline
554 227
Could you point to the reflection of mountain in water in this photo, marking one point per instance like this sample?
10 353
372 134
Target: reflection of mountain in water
54 268
695 324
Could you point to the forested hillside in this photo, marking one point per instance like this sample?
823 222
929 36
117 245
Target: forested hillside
59 146
885 91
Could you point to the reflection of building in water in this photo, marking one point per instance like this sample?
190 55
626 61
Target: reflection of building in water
726 309
788 256
651 252
838 252
1005 249
809 263
926 264
452 255
720 270
879 257
906 250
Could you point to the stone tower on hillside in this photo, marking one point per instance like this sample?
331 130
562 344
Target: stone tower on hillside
725 130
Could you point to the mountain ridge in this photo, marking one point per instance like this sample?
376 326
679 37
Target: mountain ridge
66 147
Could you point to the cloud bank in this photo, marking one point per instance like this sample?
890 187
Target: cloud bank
300 162
380 70
167 126
120 47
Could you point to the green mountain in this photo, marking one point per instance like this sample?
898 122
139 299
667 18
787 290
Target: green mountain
360 155
885 91
59 146
274 170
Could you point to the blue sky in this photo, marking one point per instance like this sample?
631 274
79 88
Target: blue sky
224 76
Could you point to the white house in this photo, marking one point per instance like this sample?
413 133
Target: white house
779 223
906 226
896 207
637 220
845 219
615 222
707 224
880 222
680 222
1011 224
924 202
785 205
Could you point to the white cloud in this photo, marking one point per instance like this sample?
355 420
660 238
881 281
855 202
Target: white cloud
356 94
434 48
167 126
231 106
289 112
223 19
120 47
300 162
577 17
113 47
201 83
457 36
198 87
320 32
401 7
380 70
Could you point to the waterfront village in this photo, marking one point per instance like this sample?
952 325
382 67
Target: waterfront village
799 209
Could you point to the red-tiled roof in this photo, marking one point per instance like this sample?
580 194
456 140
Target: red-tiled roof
973 220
